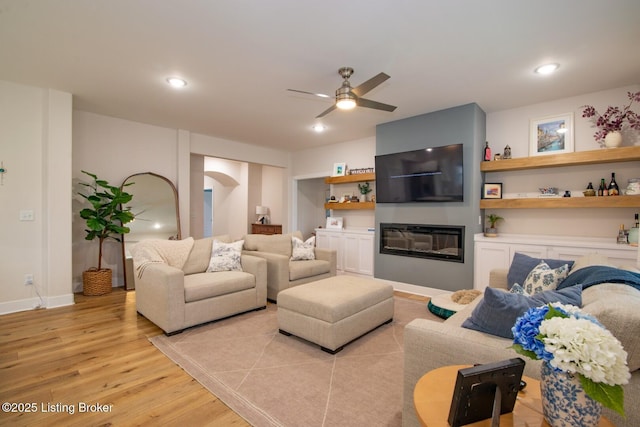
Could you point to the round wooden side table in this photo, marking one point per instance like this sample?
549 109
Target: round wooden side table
434 391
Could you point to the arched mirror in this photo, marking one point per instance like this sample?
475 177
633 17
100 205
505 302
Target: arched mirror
155 206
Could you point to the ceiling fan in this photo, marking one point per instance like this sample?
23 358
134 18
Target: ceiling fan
348 97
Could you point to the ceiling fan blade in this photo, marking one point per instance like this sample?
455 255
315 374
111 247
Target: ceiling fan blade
370 84
376 105
327 111
321 95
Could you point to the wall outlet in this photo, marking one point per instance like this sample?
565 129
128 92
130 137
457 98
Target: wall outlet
28 279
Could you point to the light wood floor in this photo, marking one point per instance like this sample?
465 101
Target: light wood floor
97 352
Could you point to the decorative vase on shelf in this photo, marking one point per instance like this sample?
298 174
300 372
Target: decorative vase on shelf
564 401
613 139
363 197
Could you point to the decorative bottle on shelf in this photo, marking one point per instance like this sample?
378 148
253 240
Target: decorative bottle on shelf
613 186
487 152
622 236
632 237
602 190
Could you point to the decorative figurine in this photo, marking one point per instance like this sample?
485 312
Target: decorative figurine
507 152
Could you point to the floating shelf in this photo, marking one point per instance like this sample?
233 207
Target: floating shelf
350 205
610 155
562 202
360 177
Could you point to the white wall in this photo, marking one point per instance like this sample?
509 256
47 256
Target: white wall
35 130
274 189
512 127
114 149
318 162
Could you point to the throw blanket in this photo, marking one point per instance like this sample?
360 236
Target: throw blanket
596 274
153 251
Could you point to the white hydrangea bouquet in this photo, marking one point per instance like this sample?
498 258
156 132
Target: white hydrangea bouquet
574 342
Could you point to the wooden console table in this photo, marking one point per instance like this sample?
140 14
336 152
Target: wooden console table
266 229
434 391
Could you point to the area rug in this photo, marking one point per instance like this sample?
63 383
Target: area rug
274 380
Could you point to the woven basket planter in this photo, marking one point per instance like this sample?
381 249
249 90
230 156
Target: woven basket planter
96 282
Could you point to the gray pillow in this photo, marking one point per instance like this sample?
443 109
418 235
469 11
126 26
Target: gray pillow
522 265
498 311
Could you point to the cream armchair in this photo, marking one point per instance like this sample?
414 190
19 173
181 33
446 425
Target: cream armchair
282 273
177 298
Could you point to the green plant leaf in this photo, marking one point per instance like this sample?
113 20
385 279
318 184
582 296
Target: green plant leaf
611 396
520 350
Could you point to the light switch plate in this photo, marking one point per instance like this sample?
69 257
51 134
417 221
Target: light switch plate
26 215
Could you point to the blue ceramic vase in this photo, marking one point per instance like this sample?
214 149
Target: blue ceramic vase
564 401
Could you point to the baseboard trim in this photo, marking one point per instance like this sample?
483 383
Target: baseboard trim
35 303
414 289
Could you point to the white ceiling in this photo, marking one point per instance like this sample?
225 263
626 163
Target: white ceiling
240 56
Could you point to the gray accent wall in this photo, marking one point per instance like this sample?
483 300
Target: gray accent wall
465 125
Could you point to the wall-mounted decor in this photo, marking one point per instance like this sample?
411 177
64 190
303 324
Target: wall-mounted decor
334 223
339 169
551 135
360 171
492 190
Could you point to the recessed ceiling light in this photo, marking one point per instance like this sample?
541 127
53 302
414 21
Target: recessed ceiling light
176 82
546 69
319 127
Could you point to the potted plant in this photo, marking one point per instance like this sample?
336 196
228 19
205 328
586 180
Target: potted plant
105 219
492 231
364 190
611 122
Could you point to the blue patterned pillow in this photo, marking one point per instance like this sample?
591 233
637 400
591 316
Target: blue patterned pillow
225 256
522 264
498 311
544 278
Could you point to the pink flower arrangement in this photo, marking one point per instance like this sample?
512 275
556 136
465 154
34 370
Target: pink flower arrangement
614 118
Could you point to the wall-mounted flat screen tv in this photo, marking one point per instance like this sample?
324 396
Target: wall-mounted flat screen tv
428 175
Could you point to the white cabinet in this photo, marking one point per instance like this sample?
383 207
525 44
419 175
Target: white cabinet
497 252
331 240
354 249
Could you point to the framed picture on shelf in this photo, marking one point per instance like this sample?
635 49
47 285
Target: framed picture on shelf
492 190
551 135
334 223
339 169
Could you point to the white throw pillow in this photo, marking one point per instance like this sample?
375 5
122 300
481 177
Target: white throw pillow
225 256
303 250
544 278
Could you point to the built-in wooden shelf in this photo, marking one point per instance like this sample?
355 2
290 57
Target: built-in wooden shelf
360 177
347 179
562 202
350 205
610 155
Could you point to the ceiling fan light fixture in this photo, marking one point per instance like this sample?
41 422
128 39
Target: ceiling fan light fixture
345 99
346 104
318 127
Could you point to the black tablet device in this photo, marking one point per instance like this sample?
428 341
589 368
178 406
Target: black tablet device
475 391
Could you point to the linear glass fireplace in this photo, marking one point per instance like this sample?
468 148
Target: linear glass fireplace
442 242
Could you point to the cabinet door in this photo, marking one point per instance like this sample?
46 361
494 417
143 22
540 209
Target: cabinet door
618 257
488 256
322 239
534 251
358 254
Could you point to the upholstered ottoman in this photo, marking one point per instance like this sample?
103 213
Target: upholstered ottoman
334 311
